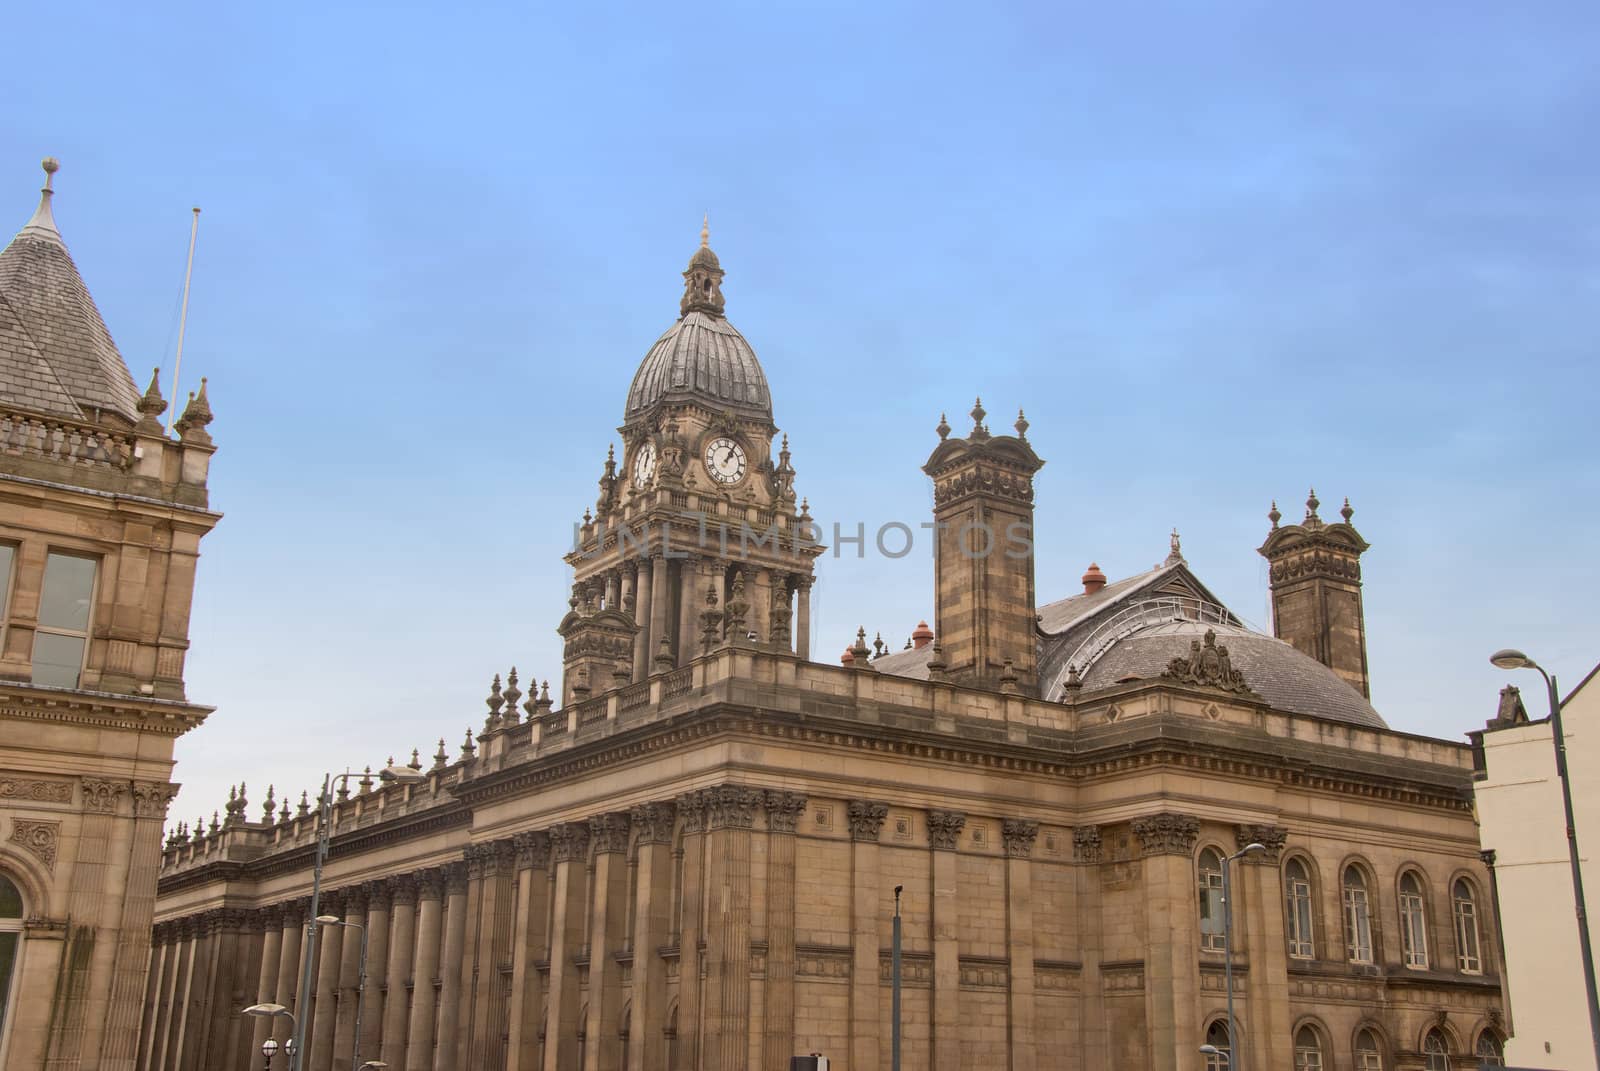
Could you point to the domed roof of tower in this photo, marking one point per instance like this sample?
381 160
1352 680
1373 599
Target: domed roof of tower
56 355
702 357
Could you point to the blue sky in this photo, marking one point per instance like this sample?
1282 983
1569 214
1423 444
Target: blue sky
1219 251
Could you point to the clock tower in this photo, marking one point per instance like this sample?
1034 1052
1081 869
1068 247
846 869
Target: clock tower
696 539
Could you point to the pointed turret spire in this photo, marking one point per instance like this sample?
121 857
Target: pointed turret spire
702 280
191 425
152 405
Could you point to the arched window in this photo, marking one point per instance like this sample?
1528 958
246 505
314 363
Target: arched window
1307 1050
1436 1052
1357 917
1217 1038
11 915
1369 1057
1465 908
1413 922
1297 897
1489 1051
1212 933
670 1034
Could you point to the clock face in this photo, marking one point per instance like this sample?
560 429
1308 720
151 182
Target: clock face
644 465
725 460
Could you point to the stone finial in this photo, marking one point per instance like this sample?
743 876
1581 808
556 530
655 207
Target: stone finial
416 759
944 427
1273 515
494 703
860 654
737 609
978 413
305 804
1021 425
468 748
268 807
1175 553
1312 502
879 648
705 231
1346 512
663 660
152 405
938 668
366 781
440 758
42 217
1008 677
1074 682
512 694
216 826
197 414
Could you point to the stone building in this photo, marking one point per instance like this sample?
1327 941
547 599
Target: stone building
685 854
101 517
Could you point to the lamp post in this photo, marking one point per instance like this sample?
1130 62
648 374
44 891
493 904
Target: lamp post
269 1047
1227 938
361 979
894 974
1212 1050
404 775
1513 659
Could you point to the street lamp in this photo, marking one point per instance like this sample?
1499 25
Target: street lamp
1227 940
361 979
403 775
269 1047
1512 659
1212 1050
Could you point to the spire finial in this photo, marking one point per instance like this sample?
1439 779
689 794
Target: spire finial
1273 515
1347 512
1021 425
944 427
1175 555
705 231
42 217
1312 502
51 165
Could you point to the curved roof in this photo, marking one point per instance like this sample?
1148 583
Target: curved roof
701 357
1285 678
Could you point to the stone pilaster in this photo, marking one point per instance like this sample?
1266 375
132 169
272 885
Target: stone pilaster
397 971
161 967
730 816
267 980
325 1012
1258 917
692 809
494 945
370 995
349 936
529 942
783 817
944 837
651 923
227 958
866 824
691 601
608 921
291 947
424 998
451 958
119 1048
569 848
1018 835
477 858
1171 969
1087 854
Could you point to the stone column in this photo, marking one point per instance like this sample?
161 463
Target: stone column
450 966
692 808
424 1000
783 816
730 815
866 823
252 944
642 601
189 1039
477 858
1018 835
397 971
569 844
660 602
758 583
802 618
1258 916
611 594
944 837
608 922
369 1001
325 1012
494 942
291 946
228 957
651 921
530 940
1086 852
692 580
344 1031
1171 968
267 982
161 946
167 1050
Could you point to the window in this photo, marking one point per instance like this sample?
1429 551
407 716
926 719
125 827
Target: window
1297 894
1466 913
1413 923
8 555
62 636
1217 1038
1489 1052
1307 1050
11 915
1436 1052
1368 1056
1212 932
1357 917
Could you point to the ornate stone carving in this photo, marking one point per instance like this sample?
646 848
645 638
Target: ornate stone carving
654 821
944 829
33 790
402 890
609 833
784 810
101 797
40 838
533 850
1207 665
376 893
476 858
1270 837
692 806
866 819
1086 844
732 806
150 798
1019 835
1166 834
455 878
430 883
569 842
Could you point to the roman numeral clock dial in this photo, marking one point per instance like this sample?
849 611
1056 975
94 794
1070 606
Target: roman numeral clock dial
725 460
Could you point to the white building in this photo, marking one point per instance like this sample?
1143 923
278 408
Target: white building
1524 840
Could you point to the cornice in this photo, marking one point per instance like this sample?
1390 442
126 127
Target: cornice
169 717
